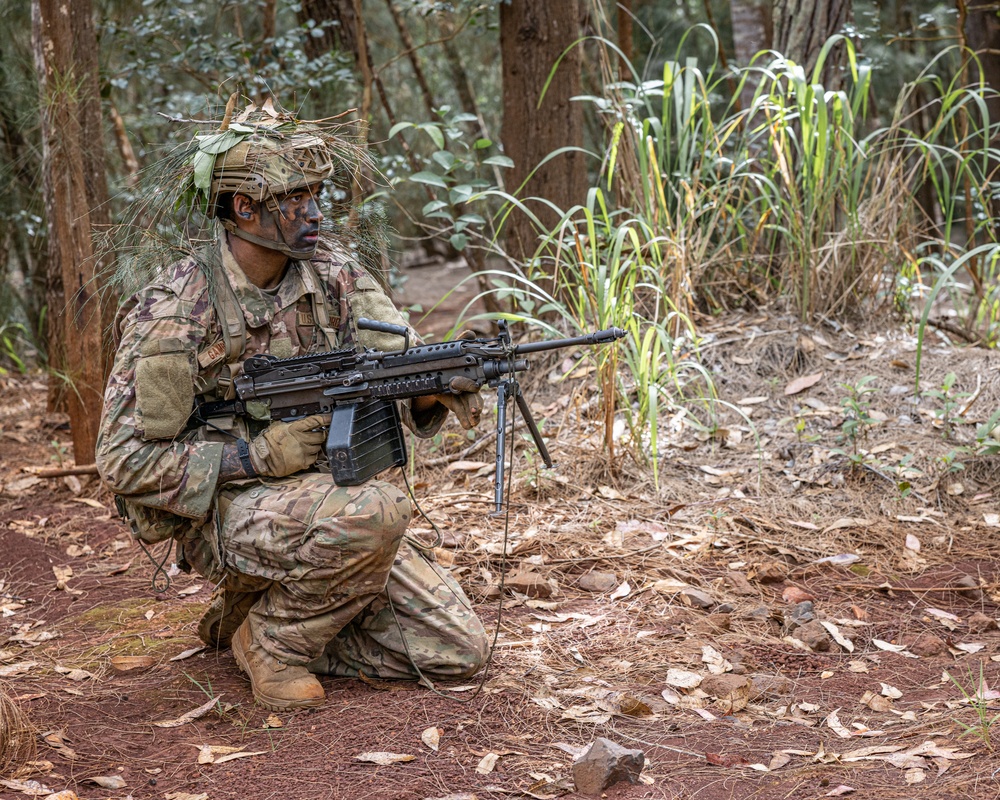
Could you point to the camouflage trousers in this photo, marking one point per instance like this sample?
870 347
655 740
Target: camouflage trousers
342 591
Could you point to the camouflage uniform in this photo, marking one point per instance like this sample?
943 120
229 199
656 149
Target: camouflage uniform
330 562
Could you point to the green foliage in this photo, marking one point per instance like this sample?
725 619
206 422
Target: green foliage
974 693
949 404
858 419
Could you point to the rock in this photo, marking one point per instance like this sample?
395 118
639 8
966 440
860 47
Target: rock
598 582
760 614
769 687
967 586
697 598
771 572
725 608
731 692
926 645
713 623
605 763
528 583
980 623
814 636
739 584
799 614
793 594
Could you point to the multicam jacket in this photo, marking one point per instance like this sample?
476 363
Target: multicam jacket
173 349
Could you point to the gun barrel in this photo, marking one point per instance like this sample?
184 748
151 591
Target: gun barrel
606 336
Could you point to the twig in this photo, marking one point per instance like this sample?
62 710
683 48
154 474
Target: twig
919 589
59 472
471 450
949 327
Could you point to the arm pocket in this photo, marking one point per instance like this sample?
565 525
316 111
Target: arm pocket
164 389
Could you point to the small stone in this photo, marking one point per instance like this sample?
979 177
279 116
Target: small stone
799 614
697 598
771 572
598 582
713 623
761 614
731 692
814 636
528 583
769 687
980 623
726 608
926 645
793 594
967 586
739 584
605 763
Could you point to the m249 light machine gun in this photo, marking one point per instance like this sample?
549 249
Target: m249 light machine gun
358 389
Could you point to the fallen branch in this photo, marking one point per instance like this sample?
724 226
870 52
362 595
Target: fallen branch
59 472
471 450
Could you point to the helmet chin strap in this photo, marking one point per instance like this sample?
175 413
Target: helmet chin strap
271 244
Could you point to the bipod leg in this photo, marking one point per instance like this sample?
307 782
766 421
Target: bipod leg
503 392
522 404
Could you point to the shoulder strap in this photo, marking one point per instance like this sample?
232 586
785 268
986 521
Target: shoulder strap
234 326
320 312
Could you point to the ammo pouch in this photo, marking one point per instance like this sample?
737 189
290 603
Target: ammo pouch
149 525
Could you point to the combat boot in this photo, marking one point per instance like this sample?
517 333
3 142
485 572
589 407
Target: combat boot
226 611
276 686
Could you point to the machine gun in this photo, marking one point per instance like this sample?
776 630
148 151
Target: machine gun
358 390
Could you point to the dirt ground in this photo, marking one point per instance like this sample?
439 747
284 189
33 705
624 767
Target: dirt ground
774 620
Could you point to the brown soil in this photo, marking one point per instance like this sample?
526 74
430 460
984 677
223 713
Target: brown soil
749 495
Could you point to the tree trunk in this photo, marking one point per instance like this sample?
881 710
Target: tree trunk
982 36
532 37
801 28
752 31
76 200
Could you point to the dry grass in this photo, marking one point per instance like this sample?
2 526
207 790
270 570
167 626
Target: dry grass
17 735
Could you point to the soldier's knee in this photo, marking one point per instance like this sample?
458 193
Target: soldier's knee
377 512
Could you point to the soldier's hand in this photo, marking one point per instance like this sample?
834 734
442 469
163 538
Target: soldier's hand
466 404
288 447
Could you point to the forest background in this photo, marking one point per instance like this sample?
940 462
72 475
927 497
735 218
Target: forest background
638 164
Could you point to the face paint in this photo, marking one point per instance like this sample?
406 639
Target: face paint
299 216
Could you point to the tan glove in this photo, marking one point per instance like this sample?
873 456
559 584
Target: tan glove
467 405
288 447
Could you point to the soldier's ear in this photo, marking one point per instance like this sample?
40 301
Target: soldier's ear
244 207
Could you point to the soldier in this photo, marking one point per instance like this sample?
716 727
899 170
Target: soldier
311 578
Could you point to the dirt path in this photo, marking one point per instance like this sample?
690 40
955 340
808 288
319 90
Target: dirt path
668 620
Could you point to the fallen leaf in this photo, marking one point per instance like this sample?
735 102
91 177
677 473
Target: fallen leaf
189 590
30 788
183 719
241 754
838 637
107 781
893 648
778 760
65 794
857 666
622 591
384 759
912 543
724 760
969 647
11 670
839 791
273 721
467 466
682 679
876 702
717 665
208 752
185 796
87 501
802 383
487 763
915 775
188 653
126 663
833 722
431 737
75 675
891 691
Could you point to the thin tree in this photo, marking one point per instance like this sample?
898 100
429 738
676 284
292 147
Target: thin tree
76 202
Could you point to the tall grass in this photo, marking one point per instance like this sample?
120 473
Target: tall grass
700 207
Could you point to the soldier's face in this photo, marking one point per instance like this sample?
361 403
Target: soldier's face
299 217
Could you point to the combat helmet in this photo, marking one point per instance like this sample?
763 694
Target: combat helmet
262 153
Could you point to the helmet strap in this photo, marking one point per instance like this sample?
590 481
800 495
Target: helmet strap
270 244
